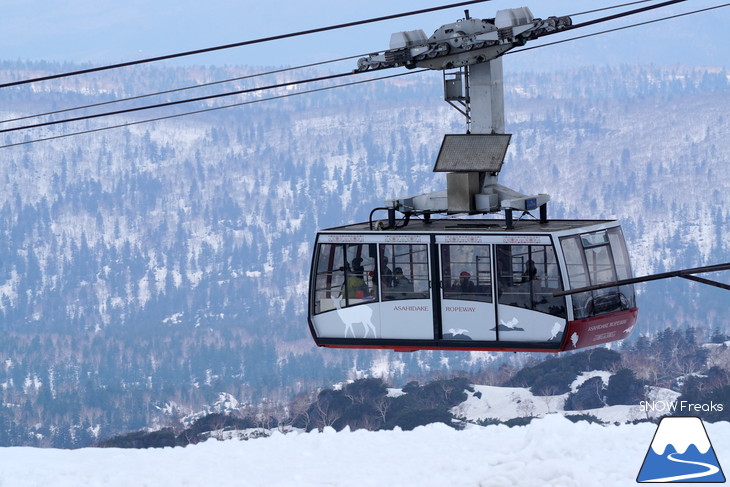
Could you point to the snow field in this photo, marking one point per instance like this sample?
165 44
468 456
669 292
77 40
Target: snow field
550 451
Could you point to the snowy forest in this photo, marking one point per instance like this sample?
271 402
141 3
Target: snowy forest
156 271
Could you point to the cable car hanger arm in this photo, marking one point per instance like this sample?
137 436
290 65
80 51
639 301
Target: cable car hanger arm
684 273
477 40
474 40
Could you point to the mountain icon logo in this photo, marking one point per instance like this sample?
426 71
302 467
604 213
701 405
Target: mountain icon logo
680 452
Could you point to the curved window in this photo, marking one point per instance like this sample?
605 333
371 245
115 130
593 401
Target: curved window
623 265
344 276
577 274
593 259
528 275
466 272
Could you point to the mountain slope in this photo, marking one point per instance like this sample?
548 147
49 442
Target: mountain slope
151 268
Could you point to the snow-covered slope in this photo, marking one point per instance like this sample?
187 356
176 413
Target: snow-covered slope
506 403
550 451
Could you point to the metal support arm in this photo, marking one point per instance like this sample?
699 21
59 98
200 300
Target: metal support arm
684 273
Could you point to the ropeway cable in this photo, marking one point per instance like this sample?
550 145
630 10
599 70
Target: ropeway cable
313 64
363 81
240 44
610 8
205 110
621 15
177 102
175 90
619 28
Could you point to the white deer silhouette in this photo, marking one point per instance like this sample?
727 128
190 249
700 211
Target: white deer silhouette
356 314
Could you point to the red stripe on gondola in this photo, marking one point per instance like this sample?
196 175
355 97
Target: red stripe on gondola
599 329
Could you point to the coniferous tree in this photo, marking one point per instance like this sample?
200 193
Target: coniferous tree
624 388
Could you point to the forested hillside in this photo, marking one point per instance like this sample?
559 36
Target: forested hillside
146 270
668 374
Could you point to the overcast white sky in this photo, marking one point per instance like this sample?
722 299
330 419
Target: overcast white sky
110 31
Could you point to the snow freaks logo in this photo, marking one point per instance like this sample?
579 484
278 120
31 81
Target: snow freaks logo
681 406
680 451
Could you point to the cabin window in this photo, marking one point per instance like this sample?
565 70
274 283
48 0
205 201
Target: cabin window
404 272
344 276
623 264
528 275
593 259
577 274
466 272
598 257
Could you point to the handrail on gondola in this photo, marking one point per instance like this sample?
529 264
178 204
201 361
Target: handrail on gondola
684 273
391 217
370 219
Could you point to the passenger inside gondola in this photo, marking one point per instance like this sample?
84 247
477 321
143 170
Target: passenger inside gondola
530 271
402 286
466 272
464 285
528 275
386 275
411 279
355 286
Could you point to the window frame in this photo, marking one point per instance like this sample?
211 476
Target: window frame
416 271
331 269
447 278
556 306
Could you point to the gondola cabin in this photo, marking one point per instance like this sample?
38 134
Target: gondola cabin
460 283
470 284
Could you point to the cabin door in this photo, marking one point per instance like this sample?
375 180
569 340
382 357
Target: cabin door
467 302
404 287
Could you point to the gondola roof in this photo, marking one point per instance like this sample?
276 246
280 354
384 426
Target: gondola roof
477 225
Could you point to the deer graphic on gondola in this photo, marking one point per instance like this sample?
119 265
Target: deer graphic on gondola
355 314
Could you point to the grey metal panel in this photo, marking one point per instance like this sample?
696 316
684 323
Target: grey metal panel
472 153
460 190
